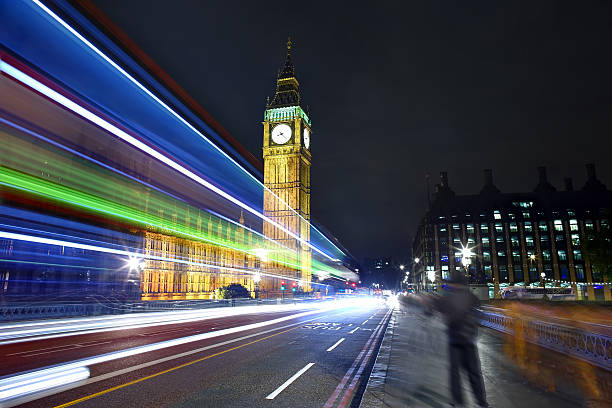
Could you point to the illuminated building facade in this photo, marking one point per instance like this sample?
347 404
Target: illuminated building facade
286 144
139 192
515 237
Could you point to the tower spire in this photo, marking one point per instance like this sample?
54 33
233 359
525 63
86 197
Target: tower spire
287 86
288 71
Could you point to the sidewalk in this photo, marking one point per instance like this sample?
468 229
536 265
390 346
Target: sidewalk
411 370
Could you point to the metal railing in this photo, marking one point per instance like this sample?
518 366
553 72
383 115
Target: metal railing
25 311
590 346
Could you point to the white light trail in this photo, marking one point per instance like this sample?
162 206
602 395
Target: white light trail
19 386
27 383
176 115
131 255
79 110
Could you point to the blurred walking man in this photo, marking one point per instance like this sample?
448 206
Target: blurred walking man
459 309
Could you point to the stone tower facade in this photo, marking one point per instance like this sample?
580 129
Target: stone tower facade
286 154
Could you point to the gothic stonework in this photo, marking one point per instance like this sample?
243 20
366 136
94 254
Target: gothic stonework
287 161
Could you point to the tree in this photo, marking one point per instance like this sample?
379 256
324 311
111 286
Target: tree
233 291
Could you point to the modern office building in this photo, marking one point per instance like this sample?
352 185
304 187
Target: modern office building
516 238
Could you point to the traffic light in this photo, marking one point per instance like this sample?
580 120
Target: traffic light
294 284
354 284
282 285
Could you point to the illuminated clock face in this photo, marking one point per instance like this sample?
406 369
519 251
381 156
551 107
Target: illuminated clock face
281 134
306 138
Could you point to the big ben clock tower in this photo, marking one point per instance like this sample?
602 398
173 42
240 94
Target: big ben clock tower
286 156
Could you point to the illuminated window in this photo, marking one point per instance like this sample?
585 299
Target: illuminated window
523 204
485 241
516 256
543 226
471 241
580 272
456 241
484 227
497 215
529 241
514 241
456 226
588 224
562 255
513 227
575 239
544 238
498 227
571 213
470 228
528 226
442 228
512 216
559 237
604 224
577 255
526 214
499 238
501 253
573 225
546 255
558 225
486 256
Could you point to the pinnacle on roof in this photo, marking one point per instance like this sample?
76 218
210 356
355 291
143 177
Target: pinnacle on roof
288 71
287 86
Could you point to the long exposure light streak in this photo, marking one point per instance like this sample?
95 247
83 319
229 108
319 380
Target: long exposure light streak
14 179
87 247
85 157
74 107
191 127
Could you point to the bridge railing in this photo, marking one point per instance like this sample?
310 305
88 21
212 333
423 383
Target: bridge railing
588 345
23 311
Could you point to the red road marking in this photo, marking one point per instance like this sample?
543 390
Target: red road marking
347 376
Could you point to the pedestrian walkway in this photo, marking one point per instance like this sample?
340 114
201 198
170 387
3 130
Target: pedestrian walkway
411 370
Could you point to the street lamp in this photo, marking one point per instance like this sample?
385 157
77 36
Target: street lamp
256 280
466 258
542 283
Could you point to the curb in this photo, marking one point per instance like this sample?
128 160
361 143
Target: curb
374 393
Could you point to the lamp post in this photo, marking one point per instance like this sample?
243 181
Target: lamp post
542 283
466 259
256 280
532 259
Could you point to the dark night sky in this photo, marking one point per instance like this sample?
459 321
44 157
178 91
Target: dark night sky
397 90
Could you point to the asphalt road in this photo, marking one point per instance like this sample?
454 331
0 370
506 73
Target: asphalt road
305 358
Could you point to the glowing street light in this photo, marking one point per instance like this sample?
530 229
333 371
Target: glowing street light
135 264
417 260
402 267
262 254
466 256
